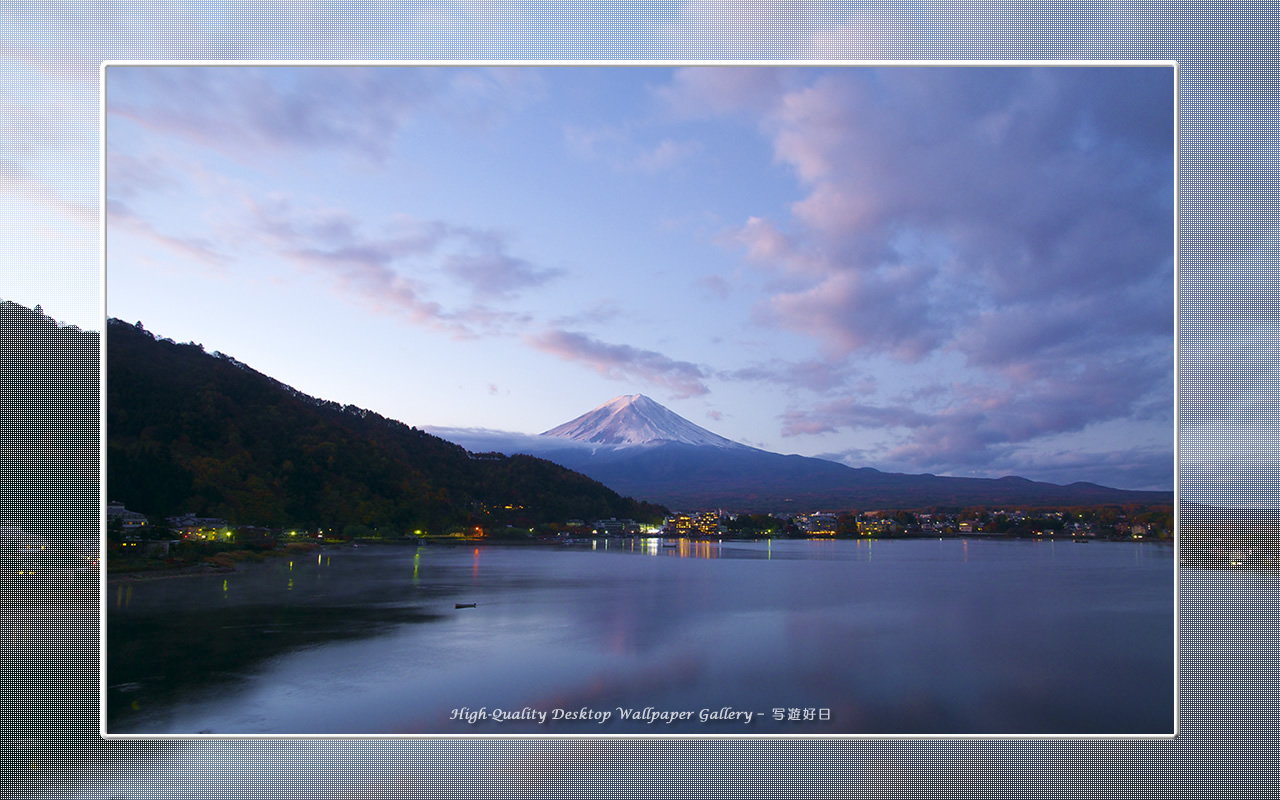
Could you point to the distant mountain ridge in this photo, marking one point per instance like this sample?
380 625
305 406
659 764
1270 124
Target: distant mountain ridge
645 450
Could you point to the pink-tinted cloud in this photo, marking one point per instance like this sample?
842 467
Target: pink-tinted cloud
624 362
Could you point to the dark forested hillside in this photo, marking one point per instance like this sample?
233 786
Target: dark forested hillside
48 425
193 431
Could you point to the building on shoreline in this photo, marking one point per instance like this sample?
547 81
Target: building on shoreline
129 520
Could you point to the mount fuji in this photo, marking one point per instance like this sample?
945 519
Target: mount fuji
639 448
635 419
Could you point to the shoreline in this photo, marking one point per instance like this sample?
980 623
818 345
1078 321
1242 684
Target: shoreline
229 564
162 573
207 568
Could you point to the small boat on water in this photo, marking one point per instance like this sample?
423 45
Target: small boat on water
464 605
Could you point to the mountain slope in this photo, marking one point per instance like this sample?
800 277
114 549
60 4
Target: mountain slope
635 419
190 431
682 470
48 425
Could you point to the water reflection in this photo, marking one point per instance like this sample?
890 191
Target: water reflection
683 548
370 641
124 594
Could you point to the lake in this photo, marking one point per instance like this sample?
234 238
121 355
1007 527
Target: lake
956 636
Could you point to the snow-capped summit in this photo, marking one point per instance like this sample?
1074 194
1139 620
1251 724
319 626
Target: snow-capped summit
635 419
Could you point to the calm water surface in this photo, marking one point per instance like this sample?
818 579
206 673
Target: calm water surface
917 636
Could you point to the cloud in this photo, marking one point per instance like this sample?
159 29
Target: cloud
1013 224
16 180
394 268
1137 468
487 440
598 312
935 195
252 112
621 149
975 426
624 362
708 29
1141 468
850 311
816 375
696 92
120 218
716 286
246 110
847 413
130 176
487 268
60 65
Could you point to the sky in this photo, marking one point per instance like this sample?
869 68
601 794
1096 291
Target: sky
1229 322
954 270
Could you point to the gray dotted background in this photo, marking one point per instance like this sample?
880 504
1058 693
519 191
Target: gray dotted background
49 57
